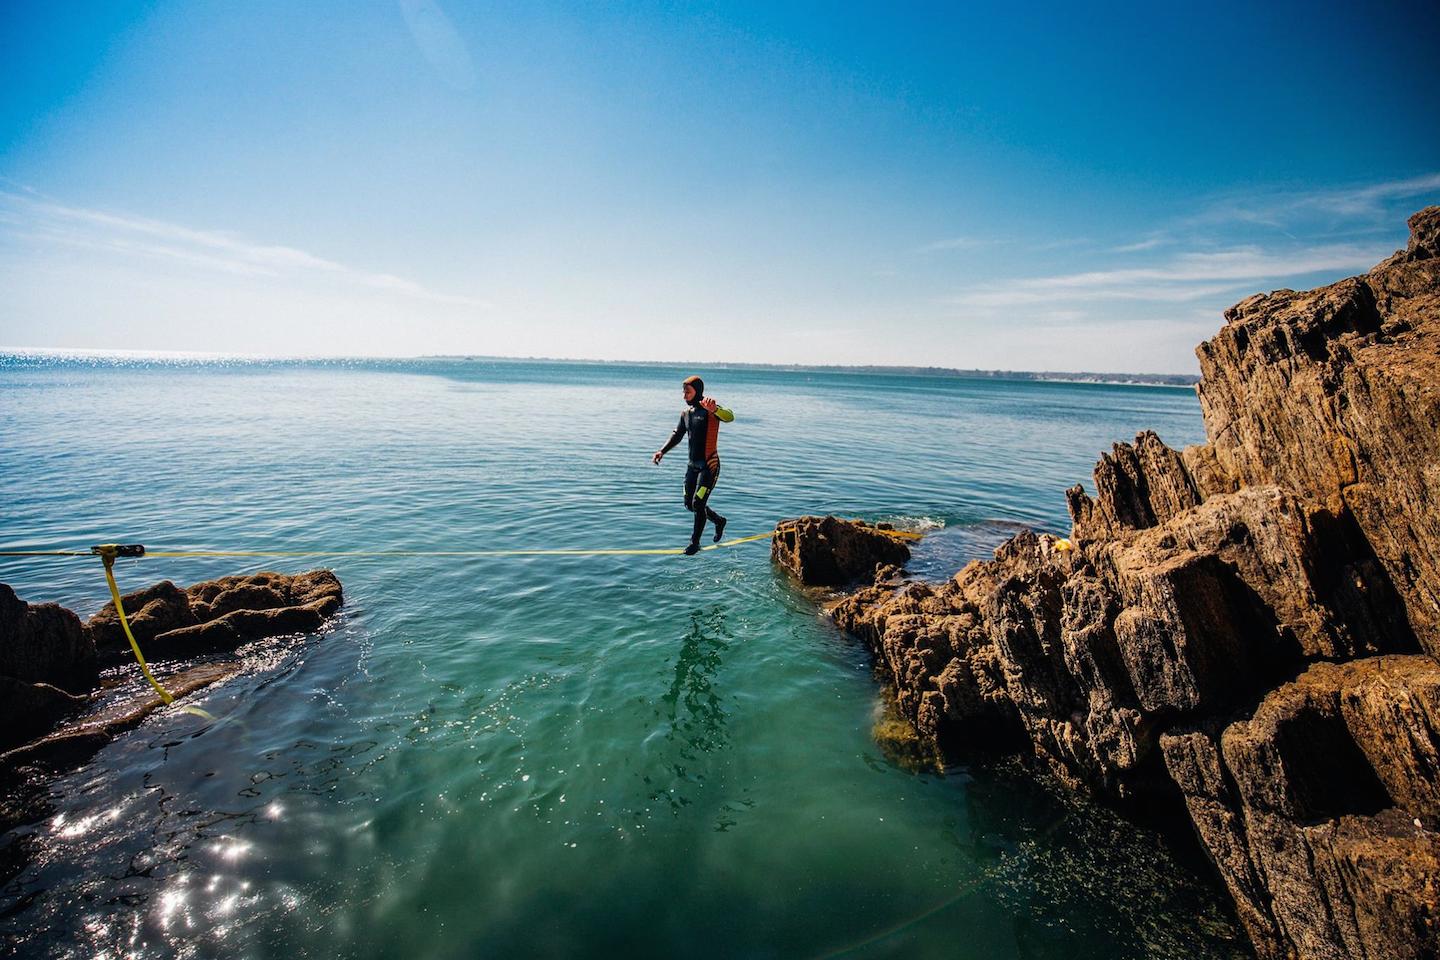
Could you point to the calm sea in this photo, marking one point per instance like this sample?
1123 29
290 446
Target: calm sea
640 756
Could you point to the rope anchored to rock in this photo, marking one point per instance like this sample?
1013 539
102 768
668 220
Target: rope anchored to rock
107 553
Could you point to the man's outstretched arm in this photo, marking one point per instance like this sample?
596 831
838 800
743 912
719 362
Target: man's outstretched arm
674 439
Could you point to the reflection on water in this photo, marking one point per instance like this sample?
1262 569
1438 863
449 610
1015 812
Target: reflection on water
692 710
692 706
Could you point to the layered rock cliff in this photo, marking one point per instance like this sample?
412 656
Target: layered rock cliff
1246 630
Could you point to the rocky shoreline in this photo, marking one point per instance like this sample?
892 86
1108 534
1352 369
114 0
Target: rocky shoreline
60 700
1243 633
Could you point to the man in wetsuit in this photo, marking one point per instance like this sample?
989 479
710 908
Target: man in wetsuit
701 419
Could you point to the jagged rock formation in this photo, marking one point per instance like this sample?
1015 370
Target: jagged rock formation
1246 629
1321 810
49 659
1353 369
829 552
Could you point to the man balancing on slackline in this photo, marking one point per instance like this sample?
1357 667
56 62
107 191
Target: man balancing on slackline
701 419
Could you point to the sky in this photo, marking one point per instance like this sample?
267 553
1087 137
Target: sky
1017 186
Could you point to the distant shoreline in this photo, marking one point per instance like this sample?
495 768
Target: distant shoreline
1049 376
198 358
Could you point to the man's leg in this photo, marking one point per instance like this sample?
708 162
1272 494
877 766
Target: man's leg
692 474
715 518
706 483
692 477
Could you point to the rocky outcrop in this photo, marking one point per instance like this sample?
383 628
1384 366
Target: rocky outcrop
1245 630
1140 486
1334 394
49 659
172 623
830 552
44 643
44 728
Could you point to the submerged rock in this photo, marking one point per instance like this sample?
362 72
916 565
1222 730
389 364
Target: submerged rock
830 552
76 741
1245 630
30 709
901 743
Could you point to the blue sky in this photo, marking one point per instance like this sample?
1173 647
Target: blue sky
1026 187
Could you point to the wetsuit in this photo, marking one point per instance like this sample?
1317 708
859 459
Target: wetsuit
703 471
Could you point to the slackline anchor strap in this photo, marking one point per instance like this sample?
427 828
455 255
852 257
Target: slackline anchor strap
107 553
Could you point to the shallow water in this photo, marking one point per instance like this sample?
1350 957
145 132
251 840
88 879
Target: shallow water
542 756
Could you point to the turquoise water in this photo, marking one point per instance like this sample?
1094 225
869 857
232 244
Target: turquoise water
582 756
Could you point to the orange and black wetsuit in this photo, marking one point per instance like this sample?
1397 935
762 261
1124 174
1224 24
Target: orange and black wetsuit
703 471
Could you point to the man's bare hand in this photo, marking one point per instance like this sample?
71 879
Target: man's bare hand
709 404
658 454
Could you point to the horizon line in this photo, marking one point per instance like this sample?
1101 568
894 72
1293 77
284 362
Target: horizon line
100 353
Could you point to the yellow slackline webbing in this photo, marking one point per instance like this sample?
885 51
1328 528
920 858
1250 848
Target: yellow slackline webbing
108 558
655 552
659 551
667 551
109 562
108 552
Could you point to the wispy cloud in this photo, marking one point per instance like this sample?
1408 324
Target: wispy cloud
46 221
1181 278
974 243
1371 199
1285 208
1208 254
954 243
1149 243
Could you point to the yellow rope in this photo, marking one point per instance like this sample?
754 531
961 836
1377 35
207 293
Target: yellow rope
659 551
653 552
108 558
108 553
109 562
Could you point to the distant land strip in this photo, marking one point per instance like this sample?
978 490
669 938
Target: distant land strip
27 356
1148 379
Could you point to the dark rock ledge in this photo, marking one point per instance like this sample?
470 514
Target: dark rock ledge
1246 631
54 708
